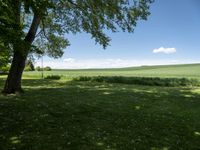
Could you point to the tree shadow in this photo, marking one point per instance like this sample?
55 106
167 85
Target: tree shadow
81 115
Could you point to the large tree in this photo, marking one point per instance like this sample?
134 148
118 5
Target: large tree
40 26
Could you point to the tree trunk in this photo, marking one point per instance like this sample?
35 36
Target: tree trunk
21 50
13 82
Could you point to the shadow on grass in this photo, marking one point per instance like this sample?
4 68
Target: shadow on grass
58 115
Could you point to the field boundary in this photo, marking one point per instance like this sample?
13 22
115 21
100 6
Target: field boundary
151 81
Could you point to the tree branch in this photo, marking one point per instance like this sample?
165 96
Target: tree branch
17 10
43 29
33 29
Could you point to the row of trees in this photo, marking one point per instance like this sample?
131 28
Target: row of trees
40 26
30 67
43 69
5 66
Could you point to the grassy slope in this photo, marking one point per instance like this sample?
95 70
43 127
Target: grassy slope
188 71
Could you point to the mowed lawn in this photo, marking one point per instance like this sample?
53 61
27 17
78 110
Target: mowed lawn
69 115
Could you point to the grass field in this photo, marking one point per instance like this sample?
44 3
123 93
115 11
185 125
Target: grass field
177 71
73 115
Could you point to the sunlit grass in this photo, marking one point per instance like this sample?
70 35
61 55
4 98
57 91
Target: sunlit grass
171 71
14 140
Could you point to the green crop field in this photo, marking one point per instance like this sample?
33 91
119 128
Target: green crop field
66 114
177 71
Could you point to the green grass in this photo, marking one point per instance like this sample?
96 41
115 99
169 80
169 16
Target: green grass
170 71
73 115
69 115
153 81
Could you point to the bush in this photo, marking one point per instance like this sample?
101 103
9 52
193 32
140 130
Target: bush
142 80
5 69
44 69
47 68
28 68
82 78
38 68
53 77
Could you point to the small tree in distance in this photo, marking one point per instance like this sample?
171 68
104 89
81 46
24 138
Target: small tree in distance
47 68
39 26
38 68
29 66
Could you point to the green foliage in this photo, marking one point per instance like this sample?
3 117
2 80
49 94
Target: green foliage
53 77
8 26
29 66
38 68
58 17
5 56
47 68
142 80
5 69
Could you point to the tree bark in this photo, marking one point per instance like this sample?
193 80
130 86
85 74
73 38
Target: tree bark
21 50
13 82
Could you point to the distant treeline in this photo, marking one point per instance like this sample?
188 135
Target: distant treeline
152 81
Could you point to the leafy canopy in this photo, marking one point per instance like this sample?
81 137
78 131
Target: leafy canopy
5 57
60 17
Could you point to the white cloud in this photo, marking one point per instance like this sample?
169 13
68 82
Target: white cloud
165 50
70 60
106 63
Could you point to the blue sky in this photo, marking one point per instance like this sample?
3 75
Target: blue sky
171 35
